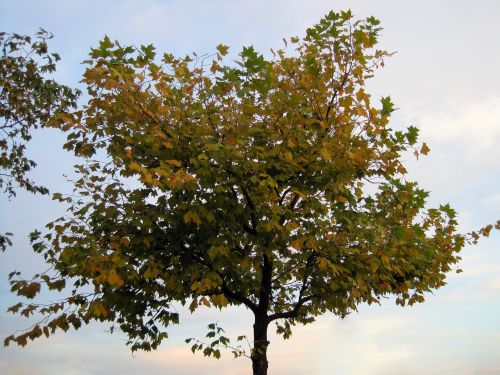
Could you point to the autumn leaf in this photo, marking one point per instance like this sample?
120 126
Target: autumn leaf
425 149
222 49
175 163
192 217
114 280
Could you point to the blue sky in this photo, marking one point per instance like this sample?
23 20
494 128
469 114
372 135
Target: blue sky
444 79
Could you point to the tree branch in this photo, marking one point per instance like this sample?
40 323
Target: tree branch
283 195
246 227
237 296
252 207
292 313
301 299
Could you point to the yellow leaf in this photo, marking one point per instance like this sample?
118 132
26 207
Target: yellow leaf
323 263
297 244
325 154
176 163
223 49
222 300
98 309
196 286
114 279
206 284
311 243
147 178
231 140
192 216
204 301
291 226
360 95
174 181
425 149
188 178
245 264
215 67
336 269
134 166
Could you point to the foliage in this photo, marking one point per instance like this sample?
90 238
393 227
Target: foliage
27 100
219 341
274 184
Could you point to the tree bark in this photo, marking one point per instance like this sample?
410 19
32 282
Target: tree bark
259 352
260 343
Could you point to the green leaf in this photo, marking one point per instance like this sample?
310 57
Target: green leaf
412 135
106 43
387 106
148 51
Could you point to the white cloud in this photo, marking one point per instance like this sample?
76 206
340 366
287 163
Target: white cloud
493 200
473 123
462 167
494 284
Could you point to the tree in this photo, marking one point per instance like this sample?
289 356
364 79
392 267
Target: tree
270 184
27 100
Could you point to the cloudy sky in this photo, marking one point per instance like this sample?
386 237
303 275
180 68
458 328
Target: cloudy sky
444 79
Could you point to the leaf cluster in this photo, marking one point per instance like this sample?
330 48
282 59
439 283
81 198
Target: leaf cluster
219 341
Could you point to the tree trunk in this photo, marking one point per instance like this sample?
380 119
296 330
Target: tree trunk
259 352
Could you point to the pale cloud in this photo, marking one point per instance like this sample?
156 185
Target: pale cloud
463 135
473 123
17 368
493 284
181 360
493 200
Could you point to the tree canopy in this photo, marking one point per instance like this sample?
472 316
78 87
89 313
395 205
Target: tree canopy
269 183
28 99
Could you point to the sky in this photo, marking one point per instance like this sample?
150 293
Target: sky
444 79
